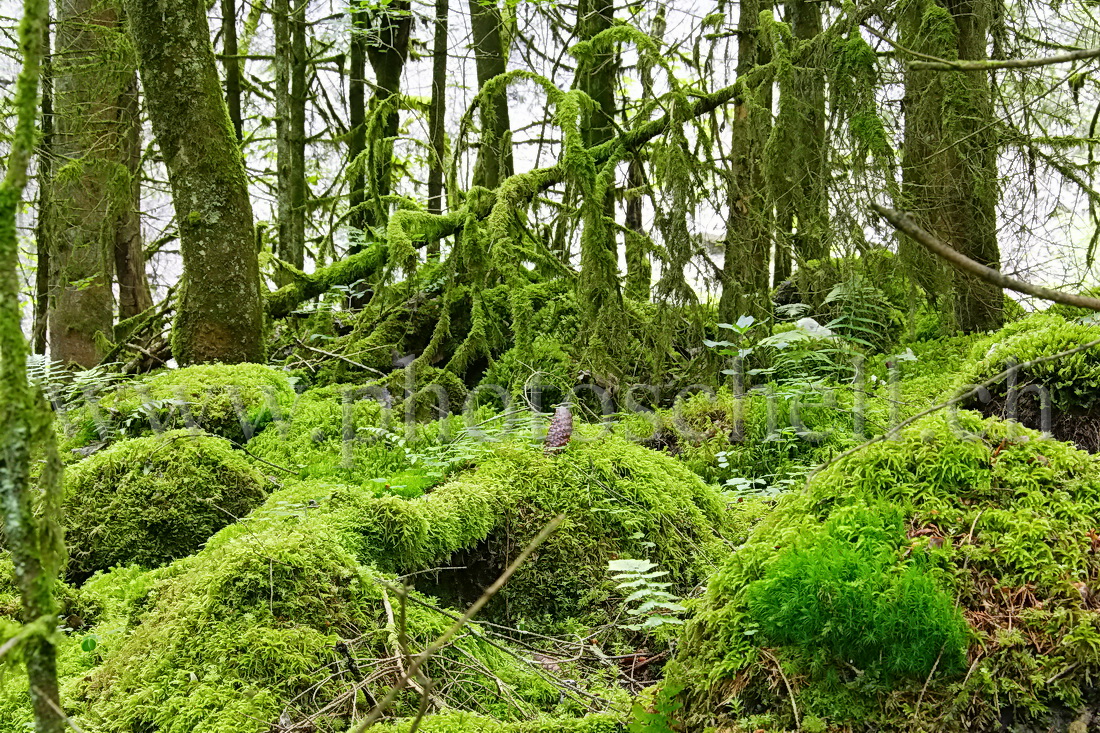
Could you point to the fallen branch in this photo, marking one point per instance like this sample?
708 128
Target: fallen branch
905 224
947 65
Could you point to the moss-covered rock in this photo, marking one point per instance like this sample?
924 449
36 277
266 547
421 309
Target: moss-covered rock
234 401
279 617
841 607
1060 395
618 499
151 500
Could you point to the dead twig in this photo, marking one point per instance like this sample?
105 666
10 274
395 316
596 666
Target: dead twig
421 659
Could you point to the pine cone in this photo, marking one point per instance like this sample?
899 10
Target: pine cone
561 428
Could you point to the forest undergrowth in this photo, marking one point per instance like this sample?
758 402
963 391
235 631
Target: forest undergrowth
269 547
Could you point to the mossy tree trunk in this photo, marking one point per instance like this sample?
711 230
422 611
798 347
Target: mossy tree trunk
42 281
745 275
92 70
494 153
387 52
219 316
357 115
290 122
598 73
949 163
639 270
797 160
32 532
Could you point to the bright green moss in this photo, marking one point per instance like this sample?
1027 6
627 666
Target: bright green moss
229 636
233 401
151 500
1073 381
898 535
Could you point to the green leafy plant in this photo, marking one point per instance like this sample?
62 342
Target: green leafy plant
656 605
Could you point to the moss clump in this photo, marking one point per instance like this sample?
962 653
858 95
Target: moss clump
619 500
151 500
1073 381
264 620
978 514
233 401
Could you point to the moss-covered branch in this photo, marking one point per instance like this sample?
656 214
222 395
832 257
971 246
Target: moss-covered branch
358 266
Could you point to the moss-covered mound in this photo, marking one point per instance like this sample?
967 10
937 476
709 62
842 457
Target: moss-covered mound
234 401
277 620
618 499
151 500
342 433
941 582
1060 395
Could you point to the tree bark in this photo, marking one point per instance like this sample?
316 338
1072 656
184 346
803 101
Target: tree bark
232 66
290 114
219 317
798 158
436 134
494 155
745 281
387 55
42 281
639 270
134 296
598 74
357 115
949 161
90 177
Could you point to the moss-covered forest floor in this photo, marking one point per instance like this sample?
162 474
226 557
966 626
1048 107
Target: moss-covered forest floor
269 547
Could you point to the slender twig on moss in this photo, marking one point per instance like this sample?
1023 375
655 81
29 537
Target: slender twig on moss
904 224
457 626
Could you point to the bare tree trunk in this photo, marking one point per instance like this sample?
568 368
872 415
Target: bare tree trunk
232 66
220 315
42 280
133 285
494 156
32 532
436 134
290 112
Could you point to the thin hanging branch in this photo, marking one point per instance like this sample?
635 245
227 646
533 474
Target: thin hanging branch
904 224
1062 58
